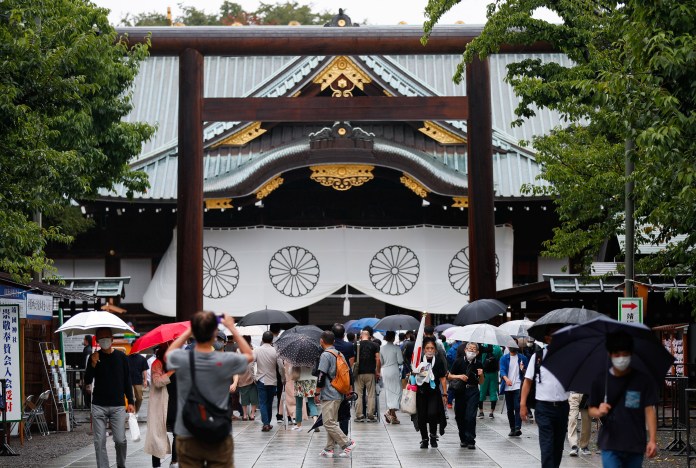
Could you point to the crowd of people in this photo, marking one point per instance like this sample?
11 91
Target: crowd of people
349 372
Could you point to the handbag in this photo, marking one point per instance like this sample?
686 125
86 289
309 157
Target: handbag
457 385
133 427
408 400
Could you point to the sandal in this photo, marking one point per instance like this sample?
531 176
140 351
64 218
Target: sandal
244 418
388 418
395 420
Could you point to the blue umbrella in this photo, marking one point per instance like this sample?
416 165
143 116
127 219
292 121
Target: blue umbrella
577 354
362 323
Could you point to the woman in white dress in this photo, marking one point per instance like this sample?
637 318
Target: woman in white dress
391 358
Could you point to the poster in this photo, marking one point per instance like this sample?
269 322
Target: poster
9 354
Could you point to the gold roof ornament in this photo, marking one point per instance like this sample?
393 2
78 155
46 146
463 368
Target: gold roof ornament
342 75
414 185
460 202
441 134
243 136
268 187
218 203
342 177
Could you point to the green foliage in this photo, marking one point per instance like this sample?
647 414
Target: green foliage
284 13
631 78
63 94
152 18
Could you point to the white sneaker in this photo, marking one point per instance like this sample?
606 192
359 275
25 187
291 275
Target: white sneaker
574 451
585 451
327 453
296 428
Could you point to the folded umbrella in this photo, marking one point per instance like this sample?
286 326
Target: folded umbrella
89 322
563 317
578 355
516 328
298 350
162 334
266 317
479 311
343 414
397 322
311 331
481 333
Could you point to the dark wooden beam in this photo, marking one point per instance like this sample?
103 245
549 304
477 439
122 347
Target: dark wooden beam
189 229
326 109
311 40
480 164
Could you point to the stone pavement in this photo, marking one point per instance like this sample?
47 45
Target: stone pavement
378 445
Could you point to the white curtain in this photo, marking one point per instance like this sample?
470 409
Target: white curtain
423 268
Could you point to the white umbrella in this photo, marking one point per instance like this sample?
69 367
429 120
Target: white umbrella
251 330
481 333
88 323
516 328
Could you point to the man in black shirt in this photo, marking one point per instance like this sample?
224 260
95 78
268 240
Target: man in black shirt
368 370
469 370
630 402
138 374
108 368
348 352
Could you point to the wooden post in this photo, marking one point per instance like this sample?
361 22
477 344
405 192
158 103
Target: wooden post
189 250
480 165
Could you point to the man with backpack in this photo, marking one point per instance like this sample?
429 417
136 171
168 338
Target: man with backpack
203 381
332 386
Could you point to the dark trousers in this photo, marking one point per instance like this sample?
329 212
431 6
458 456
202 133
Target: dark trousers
465 403
344 425
512 403
266 395
552 421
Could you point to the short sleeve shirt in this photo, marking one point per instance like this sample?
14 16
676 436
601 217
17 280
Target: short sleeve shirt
548 388
623 429
327 365
345 348
214 372
368 359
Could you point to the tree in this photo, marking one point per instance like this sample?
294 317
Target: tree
152 18
64 82
631 79
284 13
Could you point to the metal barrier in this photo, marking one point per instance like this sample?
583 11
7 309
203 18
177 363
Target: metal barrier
677 419
689 450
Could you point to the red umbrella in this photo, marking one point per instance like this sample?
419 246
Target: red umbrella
161 334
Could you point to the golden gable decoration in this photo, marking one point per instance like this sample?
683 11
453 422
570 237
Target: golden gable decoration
441 134
414 185
218 203
342 75
269 187
460 202
342 177
243 136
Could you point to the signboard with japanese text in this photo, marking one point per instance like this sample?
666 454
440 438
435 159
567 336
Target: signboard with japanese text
39 306
631 309
16 296
9 355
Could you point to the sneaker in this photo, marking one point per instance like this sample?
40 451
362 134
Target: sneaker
471 446
279 417
372 419
359 419
433 441
585 451
424 444
347 450
297 428
530 416
490 416
481 415
511 433
518 432
327 453
574 451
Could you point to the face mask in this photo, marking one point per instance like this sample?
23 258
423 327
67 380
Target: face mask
105 343
621 363
470 355
429 355
530 344
218 345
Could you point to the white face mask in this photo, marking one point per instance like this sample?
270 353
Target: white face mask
621 363
471 355
105 343
429 355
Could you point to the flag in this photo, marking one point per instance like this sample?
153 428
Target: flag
418 346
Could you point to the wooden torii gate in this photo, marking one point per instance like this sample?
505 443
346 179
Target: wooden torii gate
191 44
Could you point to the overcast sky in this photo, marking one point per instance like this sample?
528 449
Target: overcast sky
378 12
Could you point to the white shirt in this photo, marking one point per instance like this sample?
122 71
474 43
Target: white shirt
514 373
549 389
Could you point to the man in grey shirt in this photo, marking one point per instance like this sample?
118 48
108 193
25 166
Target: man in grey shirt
331 399
214 372
267 378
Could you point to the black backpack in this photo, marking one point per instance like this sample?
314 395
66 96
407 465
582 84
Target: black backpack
531 396
204 420
491 363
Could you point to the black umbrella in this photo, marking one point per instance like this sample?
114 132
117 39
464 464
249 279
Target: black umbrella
479 311
266 317
397 322
577 354
443 326
298 350
311 331
562 317
343 413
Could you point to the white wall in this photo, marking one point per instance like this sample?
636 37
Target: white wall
140 272
550 266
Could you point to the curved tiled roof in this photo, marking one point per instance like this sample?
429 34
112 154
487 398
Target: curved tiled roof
155 100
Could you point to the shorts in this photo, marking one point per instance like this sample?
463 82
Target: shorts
249 395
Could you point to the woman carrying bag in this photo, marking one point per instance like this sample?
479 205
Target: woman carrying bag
430 401
161 411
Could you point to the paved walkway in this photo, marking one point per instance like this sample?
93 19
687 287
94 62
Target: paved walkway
378 445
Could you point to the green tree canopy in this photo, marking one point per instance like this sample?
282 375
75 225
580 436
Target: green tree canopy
64 83
631 79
